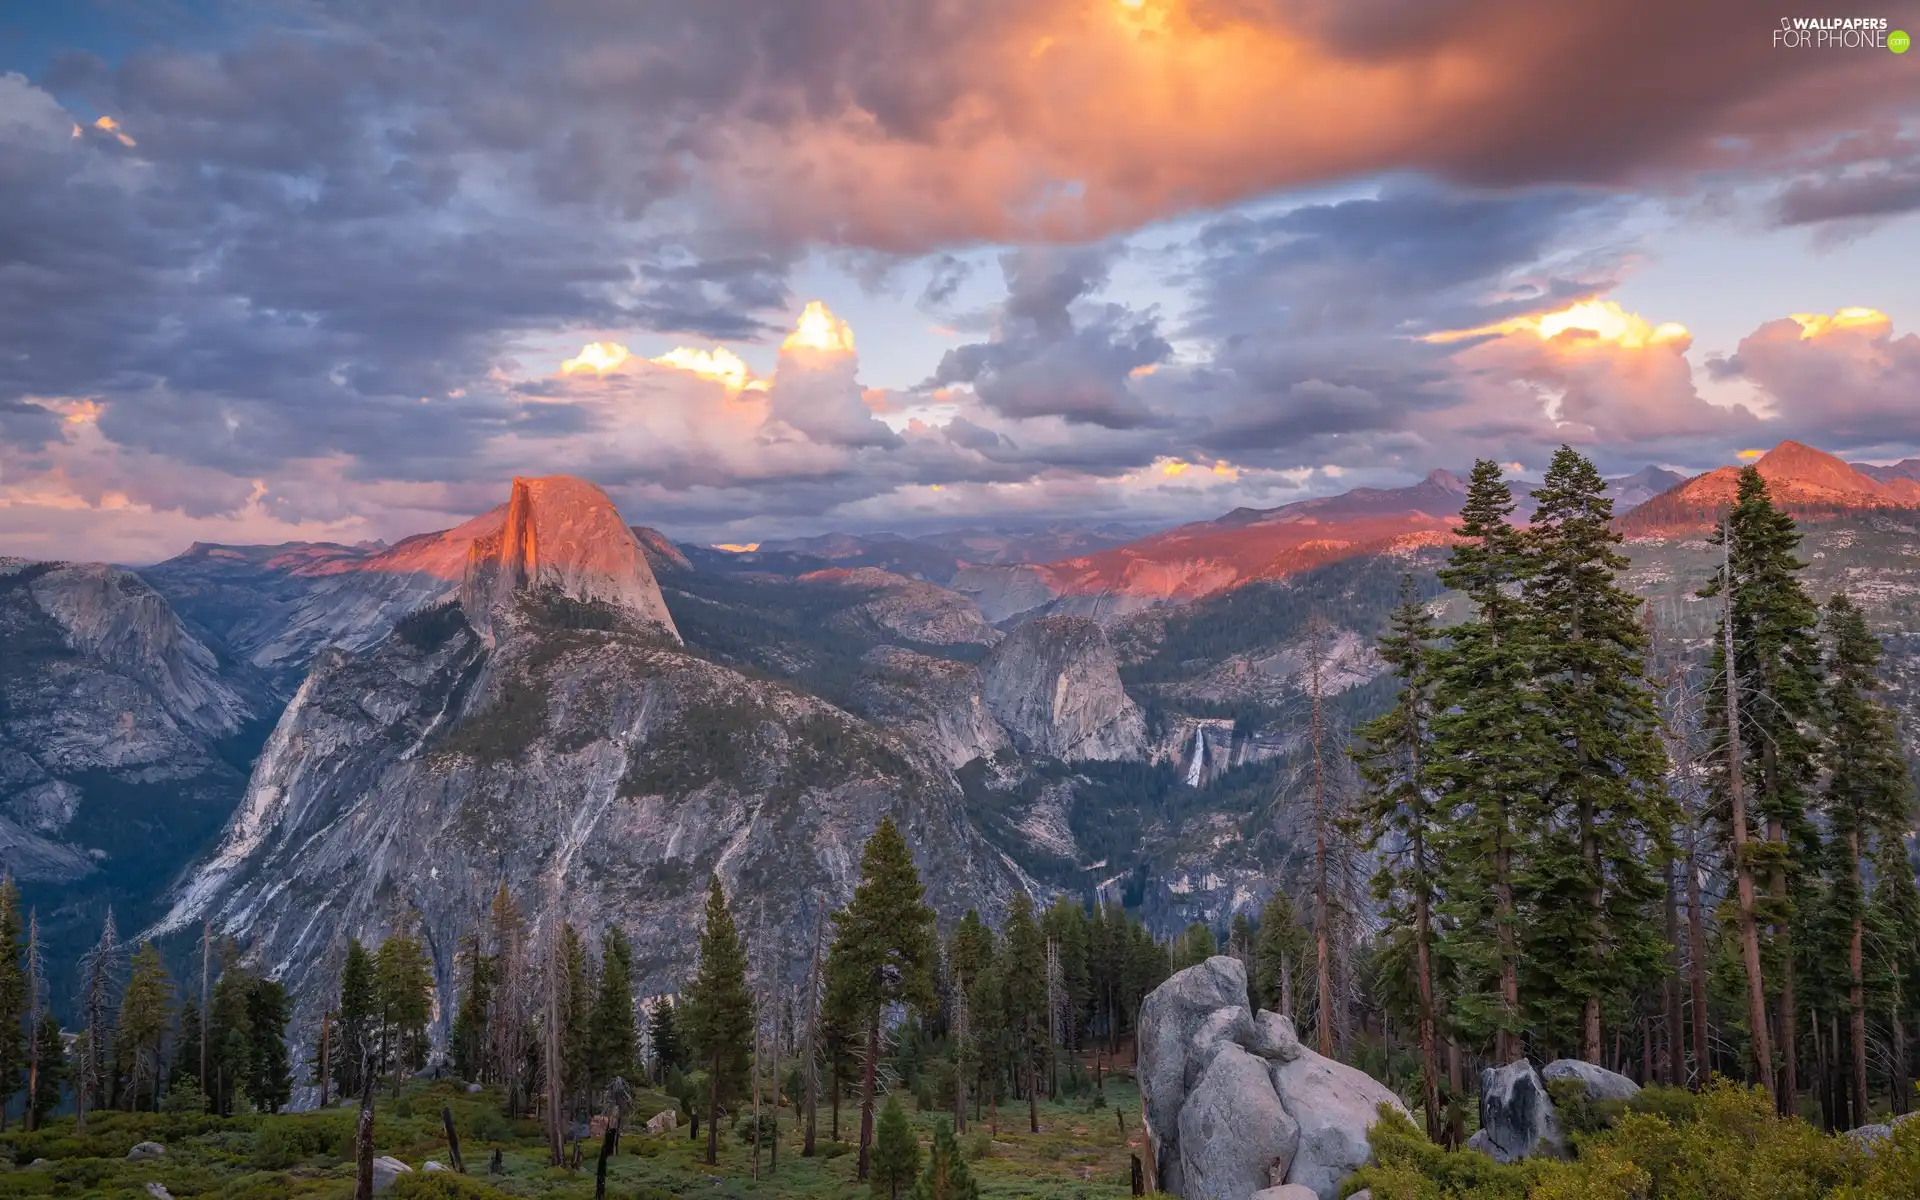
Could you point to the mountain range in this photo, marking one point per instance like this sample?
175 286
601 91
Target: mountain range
551 697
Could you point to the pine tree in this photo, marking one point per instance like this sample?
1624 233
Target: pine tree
143 1026
1065 925
719 1018
611 1036
403 997
98 970
359 1020
52 1072
1277 952
1400 822
947 1177
1896 922
1489 751
576 1016
883 953
510 1019
229 1036
663 1034
14 1000
269 1073
186 1044
896 1153
468 1038
1025 980
1603 825
1776 667
1868 799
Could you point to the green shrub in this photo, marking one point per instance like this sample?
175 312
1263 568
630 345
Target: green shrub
832 1149
769 1128
980 1145
1580 1113
490 1126
273 1149
442 1185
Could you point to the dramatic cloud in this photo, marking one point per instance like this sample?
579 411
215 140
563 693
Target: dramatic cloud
1840 381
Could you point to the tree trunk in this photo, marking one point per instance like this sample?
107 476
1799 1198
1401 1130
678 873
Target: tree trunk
1902 1086
206 975
1506 1041
1823 1077
1033 1099
1429 1044
600 1171
363 1139
867 1079
713 1111
1697 969
1743 866
1857 989
1673 1053
1596 901
756 1095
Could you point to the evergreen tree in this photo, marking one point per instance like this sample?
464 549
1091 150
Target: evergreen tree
403 992
611 1036
1896 922
576 1016
1025 980
1194 946
468 1038
1400 824
229 1037
1489 758
1776 667
1603 824
269 1073
896 1153
186 1044
98 970
53 1071
719 1018
1868 800
947 1177
1277 952
1065 925
883 954
14 1000
663 1034
142 1027
358 1022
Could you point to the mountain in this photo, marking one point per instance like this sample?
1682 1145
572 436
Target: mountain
1206 557
549 728
1907 468
124 739
1631 491
1807 482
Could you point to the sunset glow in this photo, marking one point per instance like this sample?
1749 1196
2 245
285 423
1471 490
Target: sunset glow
718 364
597 357
1814 325
1601 320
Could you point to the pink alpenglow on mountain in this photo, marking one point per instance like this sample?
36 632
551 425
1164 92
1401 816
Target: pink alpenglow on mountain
565 534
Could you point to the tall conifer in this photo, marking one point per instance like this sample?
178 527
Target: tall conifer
719 1012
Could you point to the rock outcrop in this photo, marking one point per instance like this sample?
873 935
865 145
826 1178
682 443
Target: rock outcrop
909 608
1517 1119
936 700
1234 1105
1054 684
561 535
1600 1083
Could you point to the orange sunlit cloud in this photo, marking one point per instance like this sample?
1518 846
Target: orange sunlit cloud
1751 454
1870 320
1597 320
818 329
598 357
737 547
719 364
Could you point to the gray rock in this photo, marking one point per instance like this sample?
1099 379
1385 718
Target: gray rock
1335 1107
159 1191
1516 1115
1169 1017
1602 1084
1221 1028
1362 1194
431 1165
146 1152
664 1121
1235 1136
386 1169
1869 1137
1274 1037
1055 685
1286 1191
474 1087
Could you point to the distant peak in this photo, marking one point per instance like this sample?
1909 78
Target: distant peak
564 533
1446 480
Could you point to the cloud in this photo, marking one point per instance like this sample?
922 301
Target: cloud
1842 381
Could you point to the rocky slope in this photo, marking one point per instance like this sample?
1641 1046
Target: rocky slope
1054 685
1809 483
577 751
120 731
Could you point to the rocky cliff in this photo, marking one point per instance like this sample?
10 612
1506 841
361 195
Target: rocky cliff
119 731
1054 685
578 752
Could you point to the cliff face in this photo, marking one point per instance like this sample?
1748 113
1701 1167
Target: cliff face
116 728
577 752
1054 685
564 535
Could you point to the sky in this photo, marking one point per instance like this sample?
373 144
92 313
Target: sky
336 270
